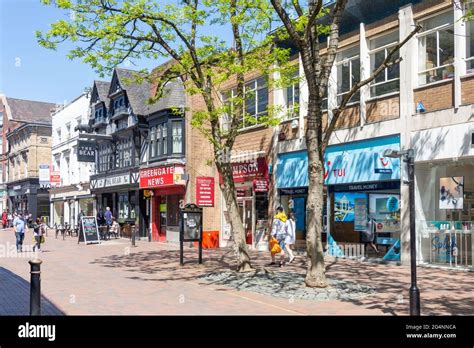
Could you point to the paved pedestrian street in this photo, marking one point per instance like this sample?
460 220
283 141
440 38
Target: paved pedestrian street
117 279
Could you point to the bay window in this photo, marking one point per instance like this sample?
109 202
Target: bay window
124 152
436 49
388 81
166 138
348 73
106 157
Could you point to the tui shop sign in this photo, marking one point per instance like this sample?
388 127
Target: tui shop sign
86 151
359 162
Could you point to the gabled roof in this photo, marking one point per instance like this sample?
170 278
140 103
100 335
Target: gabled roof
101 89
30 111
139 93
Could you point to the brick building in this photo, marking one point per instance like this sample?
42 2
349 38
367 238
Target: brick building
27 149
424 103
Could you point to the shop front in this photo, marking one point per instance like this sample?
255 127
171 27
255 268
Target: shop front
120 192
164 189
360 185
252 186
67 203
29 198
445 213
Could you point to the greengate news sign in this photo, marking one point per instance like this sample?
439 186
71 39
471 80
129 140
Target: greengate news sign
160 176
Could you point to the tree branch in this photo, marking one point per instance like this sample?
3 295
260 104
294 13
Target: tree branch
312 15
287 23
385 64
328 60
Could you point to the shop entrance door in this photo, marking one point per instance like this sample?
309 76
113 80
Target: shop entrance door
163 222
245 209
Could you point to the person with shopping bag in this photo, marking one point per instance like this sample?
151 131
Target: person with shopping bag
38 234
278 235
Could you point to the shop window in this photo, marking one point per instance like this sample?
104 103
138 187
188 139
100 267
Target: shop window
436 49
123 207
387 81
348 73
172 205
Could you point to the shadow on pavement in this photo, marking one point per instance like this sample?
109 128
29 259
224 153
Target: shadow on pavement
15 296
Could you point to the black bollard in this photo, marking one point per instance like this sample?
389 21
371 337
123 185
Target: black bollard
35 287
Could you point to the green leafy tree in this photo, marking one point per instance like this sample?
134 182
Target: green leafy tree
302 25
109 32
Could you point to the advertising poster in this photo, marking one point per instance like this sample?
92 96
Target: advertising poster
360 214
344 205
451 192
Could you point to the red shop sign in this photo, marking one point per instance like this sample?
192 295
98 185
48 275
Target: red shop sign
205 191
247 171
242 192
159 176
260 185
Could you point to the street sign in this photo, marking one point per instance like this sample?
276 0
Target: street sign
90 231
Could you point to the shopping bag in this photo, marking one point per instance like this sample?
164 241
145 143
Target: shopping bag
43 239
274 246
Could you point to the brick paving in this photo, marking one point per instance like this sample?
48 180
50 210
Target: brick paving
114 278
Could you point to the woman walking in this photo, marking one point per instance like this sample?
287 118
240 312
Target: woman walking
278 232
290 228
38 234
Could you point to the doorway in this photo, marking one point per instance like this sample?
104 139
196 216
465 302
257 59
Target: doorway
246 214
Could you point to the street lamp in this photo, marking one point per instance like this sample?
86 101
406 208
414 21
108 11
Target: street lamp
409 158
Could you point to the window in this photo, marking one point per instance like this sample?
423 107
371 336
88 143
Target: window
119 104
153 142
177 128
163 145
123 207
256 101
348 73
106 158
58 134
387 81
470 43
293 97
68 130
124 153
99 115
436 49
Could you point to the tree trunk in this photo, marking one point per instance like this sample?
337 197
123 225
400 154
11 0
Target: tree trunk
238 232
316 270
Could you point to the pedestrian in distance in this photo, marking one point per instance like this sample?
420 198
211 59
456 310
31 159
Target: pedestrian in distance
100 218
19 227
108 217
10 219
279 233
290 229
4 219
38 230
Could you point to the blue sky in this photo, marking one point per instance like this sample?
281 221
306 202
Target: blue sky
28 71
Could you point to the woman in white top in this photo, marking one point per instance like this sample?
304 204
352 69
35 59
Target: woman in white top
290 227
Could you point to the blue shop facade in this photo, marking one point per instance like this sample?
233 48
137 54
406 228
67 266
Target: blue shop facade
360 183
